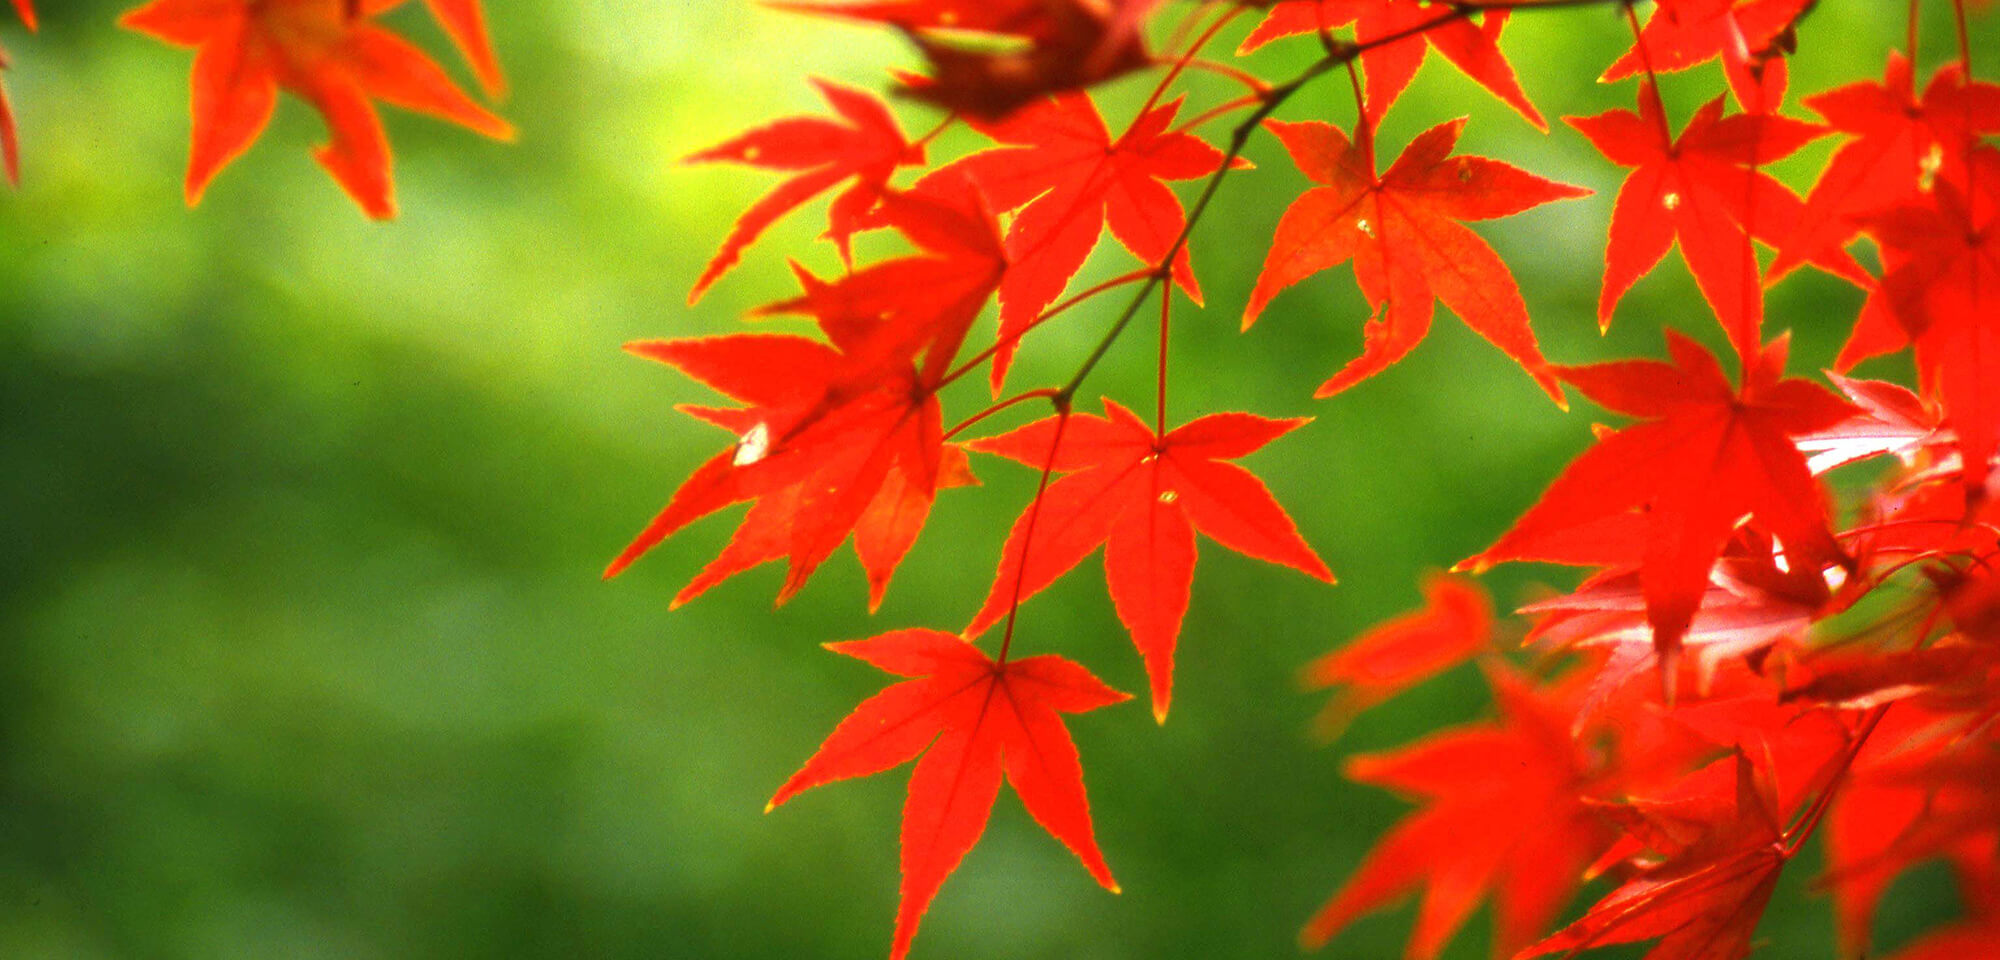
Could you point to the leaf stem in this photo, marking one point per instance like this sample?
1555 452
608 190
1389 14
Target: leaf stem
1809 821
1160 405
1050 314
1965 83
1193 50
1249 80
1910 35
1364 131
1652 78
1964 43
1017 399
1222 109
942 126
1028 534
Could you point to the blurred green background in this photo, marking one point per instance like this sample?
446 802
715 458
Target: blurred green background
303 650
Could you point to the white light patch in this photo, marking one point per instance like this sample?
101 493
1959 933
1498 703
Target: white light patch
752 446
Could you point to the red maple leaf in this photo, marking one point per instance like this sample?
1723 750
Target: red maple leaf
1502 815
1704 902
1455 624
1069 179
1143 496
864 144
1749 37
1941 283
10 146
1703 188
973 721
1706 456
327 52
1400 228
1902 147
465 22
1473 48
822 452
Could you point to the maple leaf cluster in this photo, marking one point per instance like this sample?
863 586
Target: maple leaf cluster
1738 667
1753 653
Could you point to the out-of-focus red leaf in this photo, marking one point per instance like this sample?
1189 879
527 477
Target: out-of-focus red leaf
329 53
1455 624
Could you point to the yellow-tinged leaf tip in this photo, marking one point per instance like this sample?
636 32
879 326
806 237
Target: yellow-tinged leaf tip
770 806
1160 714
1115 889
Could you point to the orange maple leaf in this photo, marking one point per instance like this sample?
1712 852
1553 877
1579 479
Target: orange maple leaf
329 53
